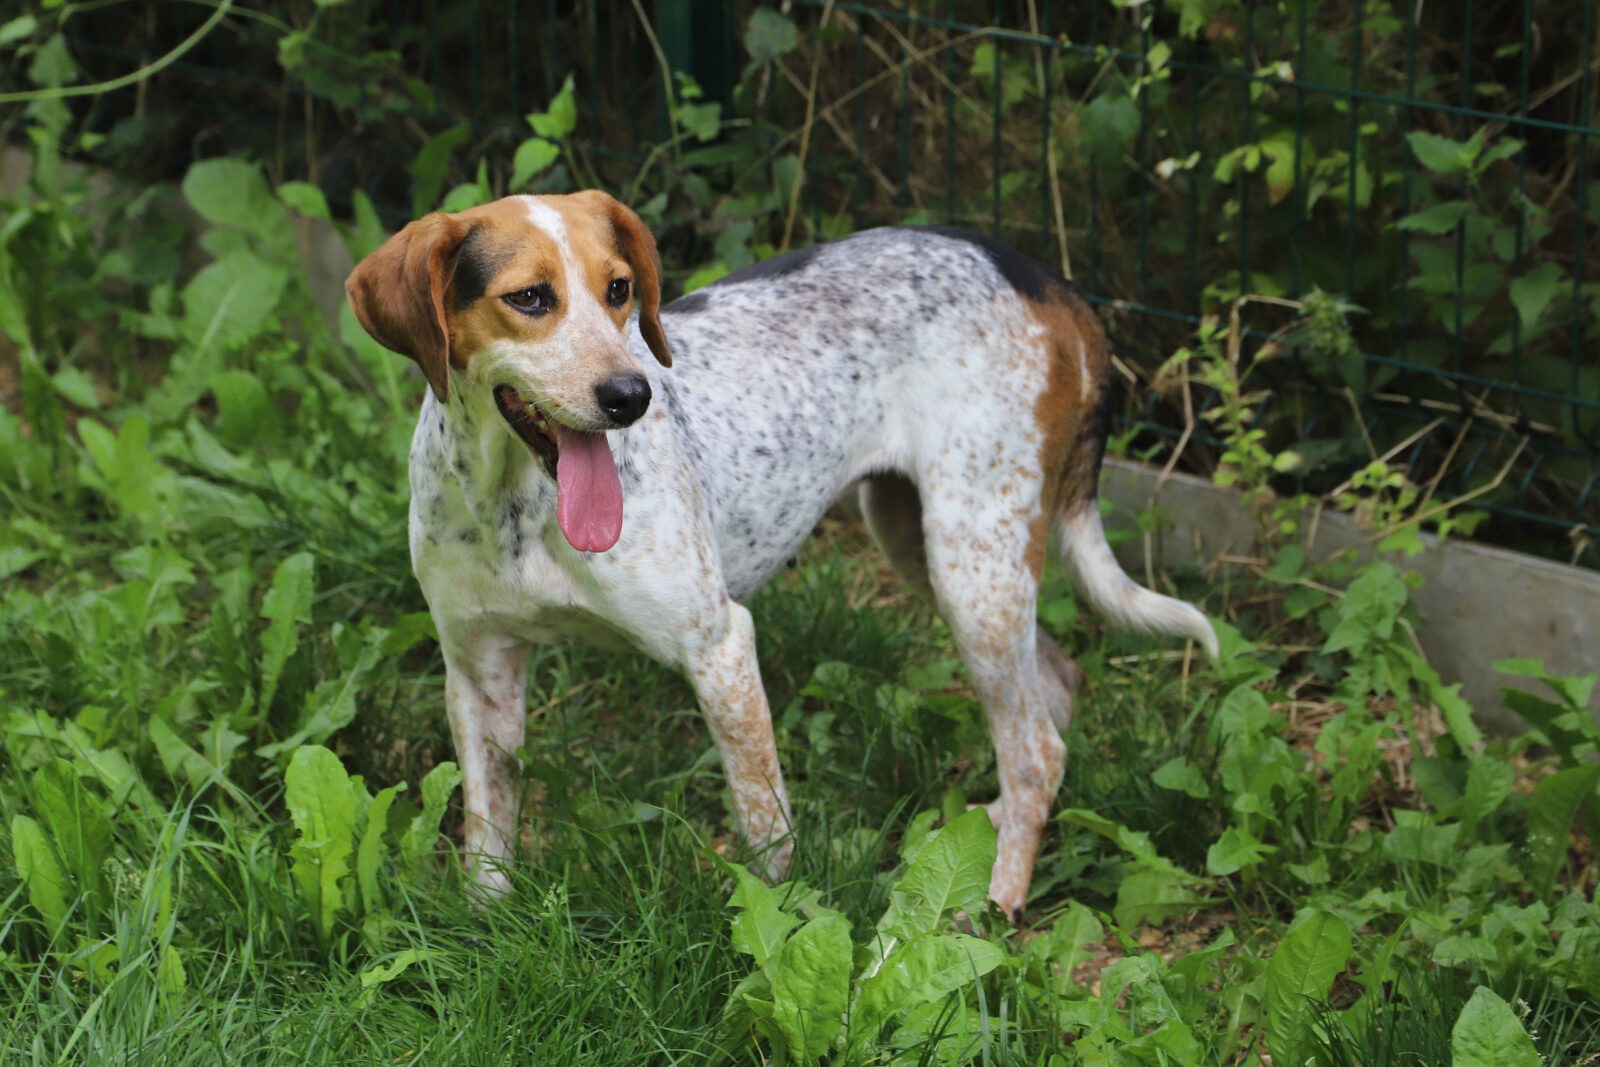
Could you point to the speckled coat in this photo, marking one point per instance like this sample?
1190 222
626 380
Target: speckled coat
961 384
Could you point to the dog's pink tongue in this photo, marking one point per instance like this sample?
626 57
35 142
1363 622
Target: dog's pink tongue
588 492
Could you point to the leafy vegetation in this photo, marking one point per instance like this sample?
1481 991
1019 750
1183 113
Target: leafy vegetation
216 673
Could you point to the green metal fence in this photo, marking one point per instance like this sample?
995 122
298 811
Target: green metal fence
1433 169
1429 164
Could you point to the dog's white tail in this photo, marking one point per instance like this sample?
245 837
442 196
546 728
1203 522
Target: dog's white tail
1103 582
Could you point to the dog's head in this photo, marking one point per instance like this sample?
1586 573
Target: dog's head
528 299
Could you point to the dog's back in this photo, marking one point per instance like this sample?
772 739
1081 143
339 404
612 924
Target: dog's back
889 351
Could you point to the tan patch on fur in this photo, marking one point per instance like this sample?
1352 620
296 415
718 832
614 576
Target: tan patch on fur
403 292
1077 342
525 255
607 224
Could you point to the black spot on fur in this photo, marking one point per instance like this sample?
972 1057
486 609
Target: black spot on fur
1092 436
511 534
1026 275
776 267
474 267
688 305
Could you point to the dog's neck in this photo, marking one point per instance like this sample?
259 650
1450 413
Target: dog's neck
485 459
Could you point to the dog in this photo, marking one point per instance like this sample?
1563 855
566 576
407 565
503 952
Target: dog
590 465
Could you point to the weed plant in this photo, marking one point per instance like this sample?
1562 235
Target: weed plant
226 804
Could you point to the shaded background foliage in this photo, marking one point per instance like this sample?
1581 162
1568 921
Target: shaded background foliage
1430 167
1309 848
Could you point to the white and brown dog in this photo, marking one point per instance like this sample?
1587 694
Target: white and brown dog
964 385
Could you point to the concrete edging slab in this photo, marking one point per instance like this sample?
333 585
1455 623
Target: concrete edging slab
1476 604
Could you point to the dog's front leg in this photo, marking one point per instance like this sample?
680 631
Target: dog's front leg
485 693
721 665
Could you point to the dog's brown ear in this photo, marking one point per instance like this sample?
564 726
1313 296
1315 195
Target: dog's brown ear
398 294
638 247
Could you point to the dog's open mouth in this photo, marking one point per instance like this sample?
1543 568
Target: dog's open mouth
588 491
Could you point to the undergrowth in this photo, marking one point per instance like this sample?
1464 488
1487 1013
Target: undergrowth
226 770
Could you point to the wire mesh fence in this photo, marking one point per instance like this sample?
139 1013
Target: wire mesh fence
1429 164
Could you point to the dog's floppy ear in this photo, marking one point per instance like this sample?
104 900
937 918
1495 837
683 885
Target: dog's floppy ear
638 247
398 294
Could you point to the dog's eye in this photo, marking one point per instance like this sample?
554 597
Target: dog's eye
617 292
532 299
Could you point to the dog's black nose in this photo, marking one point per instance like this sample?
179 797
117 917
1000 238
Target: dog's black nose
623 397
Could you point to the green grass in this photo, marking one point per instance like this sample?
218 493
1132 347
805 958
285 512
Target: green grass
202 540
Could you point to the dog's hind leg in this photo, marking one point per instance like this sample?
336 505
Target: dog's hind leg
893 512
1061 678
976 566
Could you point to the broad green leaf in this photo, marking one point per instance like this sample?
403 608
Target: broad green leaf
39 871
1135 842
1489 1034
77 824
17 29
945 1033
305 198
1109 123
950 874
811 986
918 971
419 837
1181 776
322 802
1457 715
178 759
704 276
1532 293
1489 783
1369 610
286 606
1152 895
762 924
702 119
76 386
1437 220
769 34
561 117
247 414
367 232
1072 940
369 852
230 192
1574 690
467 195
230 302
125 469
332 705
1440 155
1419 838
1503 149
1298 977
431 167
171 978
1280 169
1551 809
1236 850
532 157
748 1009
